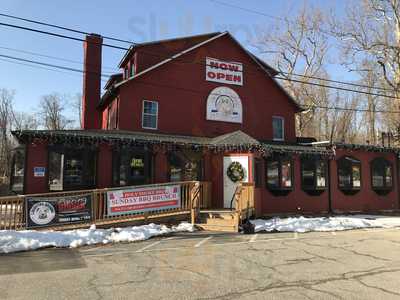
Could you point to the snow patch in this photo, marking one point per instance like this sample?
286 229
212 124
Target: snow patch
13 241
334 223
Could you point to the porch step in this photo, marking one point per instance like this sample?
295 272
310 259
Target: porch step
217 214
218 220
217 227
215 221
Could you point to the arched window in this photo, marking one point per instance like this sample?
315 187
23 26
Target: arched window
349 174
279 174
381 175
313 175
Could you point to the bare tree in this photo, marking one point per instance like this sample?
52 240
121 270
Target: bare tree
77 106
299 46
52 108
24 121
6 113
370 32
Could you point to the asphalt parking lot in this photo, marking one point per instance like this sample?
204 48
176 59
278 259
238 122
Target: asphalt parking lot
357 264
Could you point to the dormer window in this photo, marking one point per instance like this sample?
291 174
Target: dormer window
126 72
132 70
278 128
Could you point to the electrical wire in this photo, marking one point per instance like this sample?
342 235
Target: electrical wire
193 62
41 65
62 27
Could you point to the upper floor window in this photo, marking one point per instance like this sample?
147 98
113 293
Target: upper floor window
132 70
349 174
150 114
313 175
126 72
278 128
279 174
382 175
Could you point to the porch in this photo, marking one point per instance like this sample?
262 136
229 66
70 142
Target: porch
193 205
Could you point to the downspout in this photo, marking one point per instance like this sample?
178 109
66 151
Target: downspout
329 188
398 180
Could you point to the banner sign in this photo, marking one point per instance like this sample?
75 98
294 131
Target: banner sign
224 104
139 200
53 211
224 71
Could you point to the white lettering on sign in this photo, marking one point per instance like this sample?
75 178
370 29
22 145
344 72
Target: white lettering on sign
223 71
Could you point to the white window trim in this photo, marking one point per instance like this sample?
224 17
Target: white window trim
283 128
144 127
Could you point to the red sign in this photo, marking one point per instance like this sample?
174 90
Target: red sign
223 71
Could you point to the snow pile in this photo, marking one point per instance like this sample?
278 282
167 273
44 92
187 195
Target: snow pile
334 223
13 241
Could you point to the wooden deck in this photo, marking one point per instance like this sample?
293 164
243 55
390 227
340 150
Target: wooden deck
195 207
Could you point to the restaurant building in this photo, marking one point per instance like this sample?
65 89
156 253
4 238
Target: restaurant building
202 108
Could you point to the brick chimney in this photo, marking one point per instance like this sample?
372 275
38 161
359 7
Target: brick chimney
91 117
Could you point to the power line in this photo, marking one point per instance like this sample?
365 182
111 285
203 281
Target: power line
182 61
51 57
51 65
58 35
62 27
338 81
43 68
246 9
337 88
42 65
354 109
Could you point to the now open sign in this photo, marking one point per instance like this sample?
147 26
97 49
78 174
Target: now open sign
224 71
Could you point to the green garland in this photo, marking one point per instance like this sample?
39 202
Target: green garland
235 172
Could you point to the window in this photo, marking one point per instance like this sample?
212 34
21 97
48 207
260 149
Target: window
313 175
132 70
279 174
185 165
349 174
18 170
381 175
71 169
278 128
126 72
131 166
150 114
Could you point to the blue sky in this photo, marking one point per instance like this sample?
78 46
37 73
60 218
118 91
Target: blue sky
134 20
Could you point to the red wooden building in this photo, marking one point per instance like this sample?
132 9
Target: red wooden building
202 108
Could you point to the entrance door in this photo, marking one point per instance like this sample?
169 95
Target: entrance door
229 185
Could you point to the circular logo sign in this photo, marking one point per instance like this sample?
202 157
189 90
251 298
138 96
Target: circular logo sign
42 213
224 104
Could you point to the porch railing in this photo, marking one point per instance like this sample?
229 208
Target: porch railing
194 194
244 200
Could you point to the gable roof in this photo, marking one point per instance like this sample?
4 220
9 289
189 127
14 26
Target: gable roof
234 138
114 78
199 37
270 72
